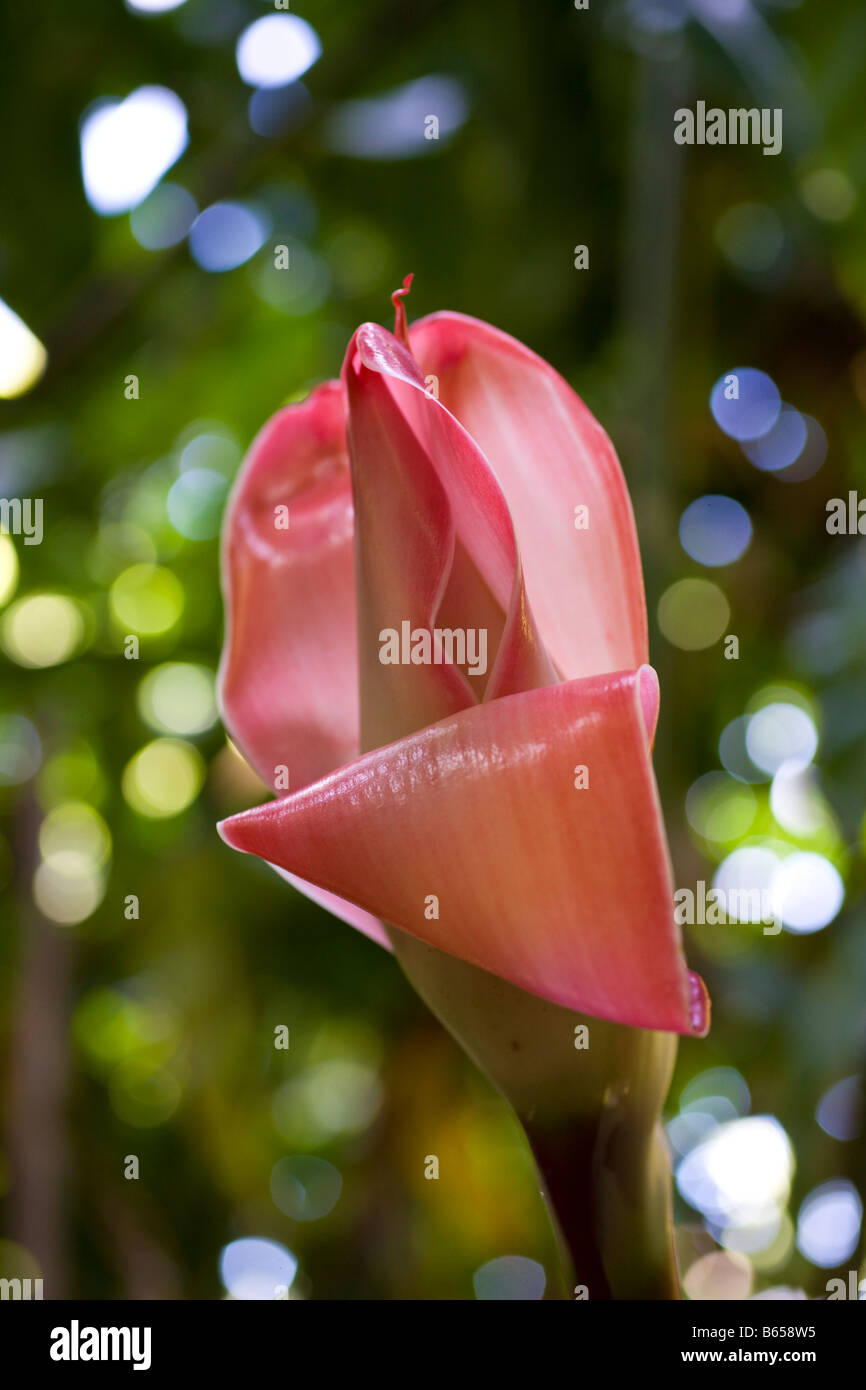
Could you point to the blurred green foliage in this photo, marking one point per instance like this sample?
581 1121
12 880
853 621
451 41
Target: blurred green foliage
153 1035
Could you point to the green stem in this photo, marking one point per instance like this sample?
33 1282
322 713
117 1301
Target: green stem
613 1217
566 1166
590 1112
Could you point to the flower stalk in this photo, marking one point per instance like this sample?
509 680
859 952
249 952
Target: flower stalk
588 1094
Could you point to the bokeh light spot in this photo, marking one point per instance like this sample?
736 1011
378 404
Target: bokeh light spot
195 503
305 1188
208 444
74 836
829 194
164 218
745 403
22 357
511 1277
715 530
693 614
722 1274
153 6
276 50
147 599
719 807
828 1224
781 733
178 698
795 800
337 1096
810 458
163 778
741 1173
75 844
392 126
111 1026
717 1081
733 754
781 445
745 877
807 892
20 750
256 1269
8 569
127 146
67 897
225 235
840 1109
42 630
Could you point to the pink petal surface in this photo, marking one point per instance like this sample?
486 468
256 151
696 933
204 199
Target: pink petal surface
405 543
288 678
550 455
401 439
567 893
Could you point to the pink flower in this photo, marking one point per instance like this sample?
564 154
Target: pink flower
504 809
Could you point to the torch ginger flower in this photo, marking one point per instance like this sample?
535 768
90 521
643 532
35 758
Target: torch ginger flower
452 482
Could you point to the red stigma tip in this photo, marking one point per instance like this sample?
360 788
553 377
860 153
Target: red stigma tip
401 327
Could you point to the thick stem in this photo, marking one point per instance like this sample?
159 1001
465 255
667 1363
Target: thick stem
589 1095
613 1219
565 1164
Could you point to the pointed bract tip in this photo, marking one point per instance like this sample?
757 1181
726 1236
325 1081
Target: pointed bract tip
648 683
699 1006
225 830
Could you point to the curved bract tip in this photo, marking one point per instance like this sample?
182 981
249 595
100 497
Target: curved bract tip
699 1005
